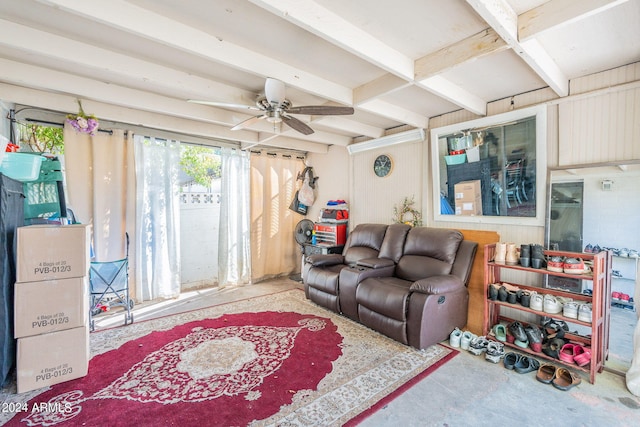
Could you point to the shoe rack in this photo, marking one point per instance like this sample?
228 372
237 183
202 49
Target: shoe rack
600 276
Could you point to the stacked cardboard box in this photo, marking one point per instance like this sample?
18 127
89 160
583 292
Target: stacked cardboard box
468 197
51 304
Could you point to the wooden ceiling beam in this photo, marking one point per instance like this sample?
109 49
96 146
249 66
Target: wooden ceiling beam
504 20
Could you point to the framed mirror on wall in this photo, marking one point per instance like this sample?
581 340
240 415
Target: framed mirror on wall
489 170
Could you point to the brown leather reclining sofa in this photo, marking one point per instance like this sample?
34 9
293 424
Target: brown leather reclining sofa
407 283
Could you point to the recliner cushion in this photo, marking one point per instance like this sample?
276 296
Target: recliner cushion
364 242
384 295
428 252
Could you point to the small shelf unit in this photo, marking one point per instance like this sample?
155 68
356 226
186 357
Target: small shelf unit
597 340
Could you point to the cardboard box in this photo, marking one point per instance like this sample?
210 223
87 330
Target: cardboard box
467 190
49 306
468 198
47 359
46 252
468 207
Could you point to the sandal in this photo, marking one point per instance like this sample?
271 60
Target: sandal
567 352
582 355
546 373
510 359
565 379
500 332
526 364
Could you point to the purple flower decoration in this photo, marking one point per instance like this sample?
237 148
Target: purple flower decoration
82 122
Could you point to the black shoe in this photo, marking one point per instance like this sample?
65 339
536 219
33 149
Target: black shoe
493 292
517 331
503 294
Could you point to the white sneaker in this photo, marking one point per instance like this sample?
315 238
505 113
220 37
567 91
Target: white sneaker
454 338
466 339
536 302
584 313
570 309
552 305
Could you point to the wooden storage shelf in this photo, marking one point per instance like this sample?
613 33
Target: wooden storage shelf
600 301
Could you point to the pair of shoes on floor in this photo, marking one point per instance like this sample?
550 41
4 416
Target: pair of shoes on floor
519 363
460 339
561 378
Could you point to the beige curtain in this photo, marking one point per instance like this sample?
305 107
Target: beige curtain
274 251
100 184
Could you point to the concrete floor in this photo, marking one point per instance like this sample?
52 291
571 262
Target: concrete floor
466 391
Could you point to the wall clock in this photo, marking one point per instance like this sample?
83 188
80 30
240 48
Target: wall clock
383 165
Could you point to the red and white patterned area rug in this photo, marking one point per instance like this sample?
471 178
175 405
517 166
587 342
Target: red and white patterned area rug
271 360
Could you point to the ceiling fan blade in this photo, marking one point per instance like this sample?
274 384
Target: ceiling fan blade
296 124
274 91
321 110
224 104
248 122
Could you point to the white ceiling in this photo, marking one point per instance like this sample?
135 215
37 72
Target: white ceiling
397 63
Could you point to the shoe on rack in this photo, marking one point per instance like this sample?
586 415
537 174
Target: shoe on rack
633 254
588 249
567 352
517 330
525 298
582 355
615 296
503 293
493 291
624 297
536 302
552 347
624 253
570 309
574 266
556 264
478 345
455 337
552 305
534 335
500 332
501 253
465 340
584 313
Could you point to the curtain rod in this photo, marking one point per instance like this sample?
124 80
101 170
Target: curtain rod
46 122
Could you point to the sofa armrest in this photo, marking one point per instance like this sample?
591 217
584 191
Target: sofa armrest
437 284
325 260
376 263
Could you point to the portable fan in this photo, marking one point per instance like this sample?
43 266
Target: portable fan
303 231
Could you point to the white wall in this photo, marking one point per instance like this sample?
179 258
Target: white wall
372 198
199 230
334 178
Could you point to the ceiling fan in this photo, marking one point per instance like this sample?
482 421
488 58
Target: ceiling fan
277 109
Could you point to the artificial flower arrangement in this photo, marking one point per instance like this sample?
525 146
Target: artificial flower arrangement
406 214
82 122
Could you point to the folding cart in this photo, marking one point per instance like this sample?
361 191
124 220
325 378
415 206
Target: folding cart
109 287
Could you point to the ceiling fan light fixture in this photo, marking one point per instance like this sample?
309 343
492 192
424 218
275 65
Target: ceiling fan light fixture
274 91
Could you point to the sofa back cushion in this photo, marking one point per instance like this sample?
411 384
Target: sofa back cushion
364 242
428 252
393 243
